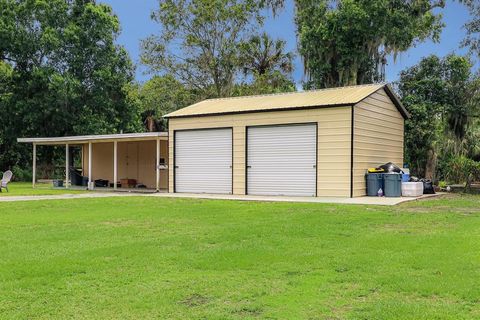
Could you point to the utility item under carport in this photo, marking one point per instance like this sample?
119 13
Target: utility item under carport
312 143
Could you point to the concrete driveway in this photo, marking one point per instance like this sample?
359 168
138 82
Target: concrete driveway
359 200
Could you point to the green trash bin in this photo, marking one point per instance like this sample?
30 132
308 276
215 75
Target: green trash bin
374 183
393 185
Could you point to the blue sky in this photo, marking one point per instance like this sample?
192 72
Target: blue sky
136 24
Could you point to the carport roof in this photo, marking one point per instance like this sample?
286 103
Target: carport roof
95 138
341 96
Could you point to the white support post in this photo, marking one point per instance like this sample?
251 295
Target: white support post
157 166
89 166
67 166
115 165
34 164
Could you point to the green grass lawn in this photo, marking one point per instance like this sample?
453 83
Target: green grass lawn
147 257
25 189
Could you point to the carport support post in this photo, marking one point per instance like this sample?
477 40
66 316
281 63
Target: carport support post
157 167
67 166
115 165
34 164
89 166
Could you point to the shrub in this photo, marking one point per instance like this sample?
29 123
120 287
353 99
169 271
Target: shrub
442 184
462 169
20 174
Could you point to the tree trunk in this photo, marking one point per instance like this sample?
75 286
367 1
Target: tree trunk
150 124
431 165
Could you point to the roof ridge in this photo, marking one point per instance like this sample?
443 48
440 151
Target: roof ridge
295 92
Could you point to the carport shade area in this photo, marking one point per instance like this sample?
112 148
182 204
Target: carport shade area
312 143
124 160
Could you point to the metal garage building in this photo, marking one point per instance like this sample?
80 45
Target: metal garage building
312 143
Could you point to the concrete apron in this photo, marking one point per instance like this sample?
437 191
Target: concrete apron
359 200
383 201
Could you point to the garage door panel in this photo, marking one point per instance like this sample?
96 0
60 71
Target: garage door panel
203 161
282 160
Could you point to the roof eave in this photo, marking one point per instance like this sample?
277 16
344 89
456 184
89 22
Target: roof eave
93 138
258 111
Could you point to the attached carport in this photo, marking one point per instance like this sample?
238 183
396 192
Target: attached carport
140 157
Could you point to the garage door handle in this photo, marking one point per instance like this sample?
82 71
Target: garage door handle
176 167
314 165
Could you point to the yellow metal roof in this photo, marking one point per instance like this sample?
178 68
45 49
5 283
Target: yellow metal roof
292 100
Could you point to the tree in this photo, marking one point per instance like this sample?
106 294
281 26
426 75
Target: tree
347 42
199 42
273 82
159 96
472 39
441 95
262 55
267 65
66 75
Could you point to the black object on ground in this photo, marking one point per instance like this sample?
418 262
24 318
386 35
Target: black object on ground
427 186
77 178
101 183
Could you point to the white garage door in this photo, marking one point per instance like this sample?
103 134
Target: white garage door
203 161
281 160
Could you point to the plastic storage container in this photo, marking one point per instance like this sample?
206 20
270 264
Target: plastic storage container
405 175
57 183
393 185
412 189
374 183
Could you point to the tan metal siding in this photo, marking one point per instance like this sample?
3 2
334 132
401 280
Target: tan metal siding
378 137
334 145
136 160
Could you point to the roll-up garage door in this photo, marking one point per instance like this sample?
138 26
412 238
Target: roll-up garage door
203 161
281 160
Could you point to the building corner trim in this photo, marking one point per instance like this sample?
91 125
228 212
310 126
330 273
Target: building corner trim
352 139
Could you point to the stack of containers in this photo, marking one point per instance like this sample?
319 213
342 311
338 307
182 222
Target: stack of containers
392 184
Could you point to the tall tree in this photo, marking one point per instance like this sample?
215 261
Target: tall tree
159 96
272 82
199 41
266 64
347 42
66 74
262 55
472 39
442 97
